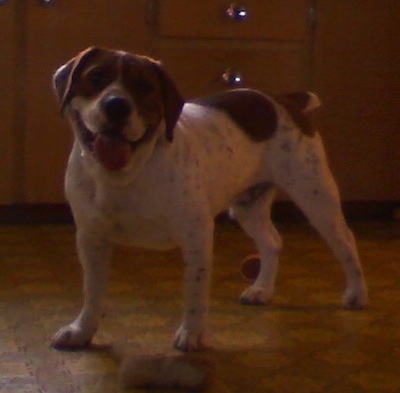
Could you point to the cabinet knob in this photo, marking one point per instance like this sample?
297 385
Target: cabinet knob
232 77
46 2
236 12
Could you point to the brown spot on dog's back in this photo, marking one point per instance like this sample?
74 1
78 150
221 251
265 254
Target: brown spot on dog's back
295 104
249 109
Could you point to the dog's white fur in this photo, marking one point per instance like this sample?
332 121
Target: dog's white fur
169 194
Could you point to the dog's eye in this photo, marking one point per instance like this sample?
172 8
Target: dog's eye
98 78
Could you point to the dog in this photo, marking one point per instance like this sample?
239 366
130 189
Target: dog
148 169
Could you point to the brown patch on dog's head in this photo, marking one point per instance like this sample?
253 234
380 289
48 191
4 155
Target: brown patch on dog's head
153 92
64 80
153 88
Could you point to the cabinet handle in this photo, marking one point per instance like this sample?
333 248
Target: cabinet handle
232 77
46 2
236 12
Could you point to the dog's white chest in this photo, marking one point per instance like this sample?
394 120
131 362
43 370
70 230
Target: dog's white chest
123 215
131 222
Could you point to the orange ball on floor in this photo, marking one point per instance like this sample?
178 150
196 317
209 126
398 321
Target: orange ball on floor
250 267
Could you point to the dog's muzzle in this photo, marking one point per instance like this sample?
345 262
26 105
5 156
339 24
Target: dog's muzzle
108 146
116 108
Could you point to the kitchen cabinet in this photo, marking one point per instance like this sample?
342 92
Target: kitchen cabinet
212 45
345 50
7 102
49 33
357 75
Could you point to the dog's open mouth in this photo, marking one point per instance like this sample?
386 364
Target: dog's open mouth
111 149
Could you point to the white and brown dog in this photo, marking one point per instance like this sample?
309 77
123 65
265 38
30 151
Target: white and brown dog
149 170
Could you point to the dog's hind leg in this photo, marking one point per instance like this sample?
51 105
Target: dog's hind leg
304 174
252 211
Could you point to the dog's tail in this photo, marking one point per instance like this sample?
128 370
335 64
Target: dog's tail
312 103
300 102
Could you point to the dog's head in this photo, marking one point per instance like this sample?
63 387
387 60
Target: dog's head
116 101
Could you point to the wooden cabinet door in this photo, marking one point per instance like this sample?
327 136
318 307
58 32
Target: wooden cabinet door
270 49
358 77
7 98
278 20
54 33
198 70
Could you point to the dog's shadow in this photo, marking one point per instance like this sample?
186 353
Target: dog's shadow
224 370
236 368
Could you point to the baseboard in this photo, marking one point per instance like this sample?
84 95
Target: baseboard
353 210
371 210
35 214
283 211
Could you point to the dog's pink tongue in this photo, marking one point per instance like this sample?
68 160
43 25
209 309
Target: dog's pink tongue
113 153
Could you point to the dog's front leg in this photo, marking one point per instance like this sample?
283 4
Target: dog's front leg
197 252
94 254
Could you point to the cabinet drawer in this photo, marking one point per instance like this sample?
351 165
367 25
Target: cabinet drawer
199 71
265 19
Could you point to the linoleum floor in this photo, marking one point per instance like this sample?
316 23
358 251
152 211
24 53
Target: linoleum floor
302 343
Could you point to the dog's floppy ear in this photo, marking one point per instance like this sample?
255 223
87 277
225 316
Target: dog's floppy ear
172 100
64 77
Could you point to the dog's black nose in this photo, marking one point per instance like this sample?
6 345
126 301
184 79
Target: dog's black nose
116 108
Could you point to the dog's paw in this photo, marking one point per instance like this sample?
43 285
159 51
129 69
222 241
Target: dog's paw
72 337
355 300
188 341
254 295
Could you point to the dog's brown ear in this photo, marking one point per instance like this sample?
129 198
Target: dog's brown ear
64 77
172 100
